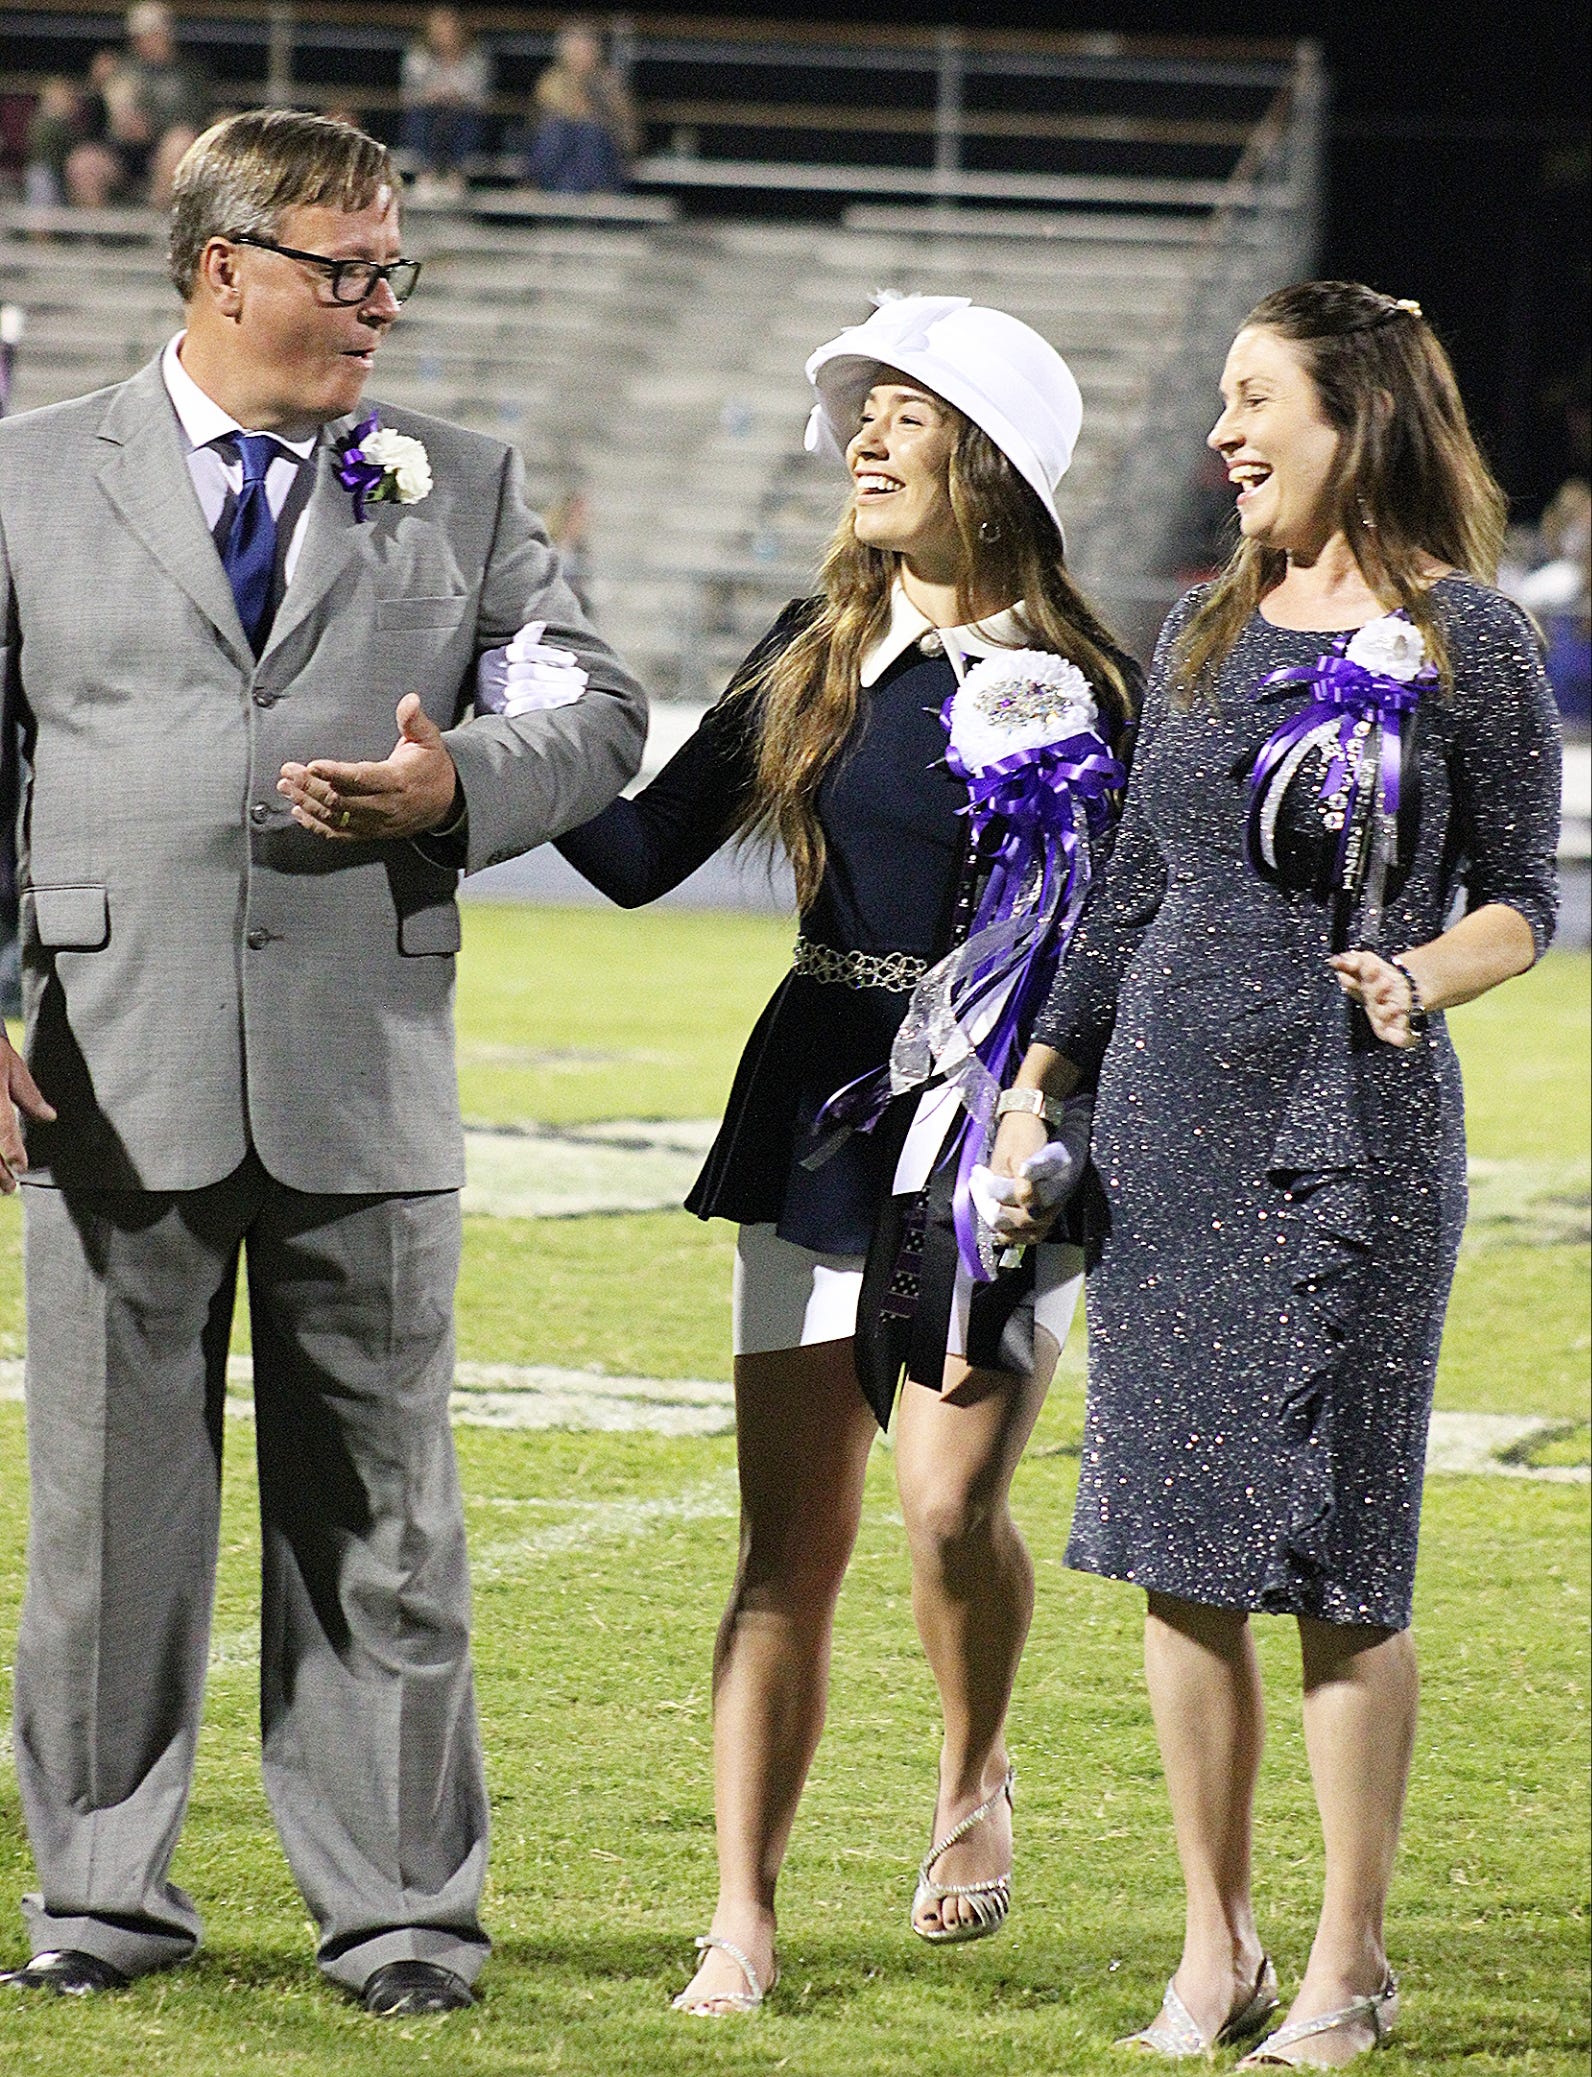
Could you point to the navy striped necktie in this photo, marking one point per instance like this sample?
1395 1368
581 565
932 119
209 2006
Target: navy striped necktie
249 556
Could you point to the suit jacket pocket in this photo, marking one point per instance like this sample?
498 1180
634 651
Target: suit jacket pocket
71 919
433 930
416 613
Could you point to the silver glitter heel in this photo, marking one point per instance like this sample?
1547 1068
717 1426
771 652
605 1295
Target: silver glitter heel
727 2004
1175 2034
991 1900
1378 2012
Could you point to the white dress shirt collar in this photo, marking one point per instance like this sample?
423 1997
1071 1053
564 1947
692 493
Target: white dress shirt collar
202 419
908 625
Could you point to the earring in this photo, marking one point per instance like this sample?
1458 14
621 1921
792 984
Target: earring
988 531
1365 518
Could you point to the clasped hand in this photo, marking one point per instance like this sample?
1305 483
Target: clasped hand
407 793
1381 991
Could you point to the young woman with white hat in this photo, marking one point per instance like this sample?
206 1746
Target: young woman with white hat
932 739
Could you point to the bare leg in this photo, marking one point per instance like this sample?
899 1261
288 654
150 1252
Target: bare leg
803 1432
1205 1694
972 1592
1360 1694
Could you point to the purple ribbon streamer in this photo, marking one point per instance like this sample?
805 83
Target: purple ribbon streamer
1342 695
1025 812
359 477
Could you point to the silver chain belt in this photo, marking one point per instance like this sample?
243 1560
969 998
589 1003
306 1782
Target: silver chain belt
899 972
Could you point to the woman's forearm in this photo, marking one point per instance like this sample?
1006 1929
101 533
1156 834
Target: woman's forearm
1046 1069
1491 944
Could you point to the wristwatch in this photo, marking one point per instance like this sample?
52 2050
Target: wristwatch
1034 1101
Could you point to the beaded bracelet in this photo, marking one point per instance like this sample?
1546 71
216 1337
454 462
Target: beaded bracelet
1418 1015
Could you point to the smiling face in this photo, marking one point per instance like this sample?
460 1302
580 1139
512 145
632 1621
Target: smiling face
900 462
266 340
1280 450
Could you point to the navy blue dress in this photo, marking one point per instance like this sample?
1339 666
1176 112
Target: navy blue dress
894 835
1284 1194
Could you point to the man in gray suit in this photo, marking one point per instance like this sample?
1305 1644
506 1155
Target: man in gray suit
217 583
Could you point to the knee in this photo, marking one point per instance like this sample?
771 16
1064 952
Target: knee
791 1563
953 1526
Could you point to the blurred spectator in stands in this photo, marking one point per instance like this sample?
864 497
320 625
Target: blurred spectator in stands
447 78
569 530
1557 592
93 175
585 130
55 131
156 102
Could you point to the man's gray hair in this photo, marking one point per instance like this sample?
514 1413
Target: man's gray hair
242 175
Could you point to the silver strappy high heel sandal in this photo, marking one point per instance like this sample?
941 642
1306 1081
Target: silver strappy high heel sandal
727 2004
1377 2012
991 1900
1174 2032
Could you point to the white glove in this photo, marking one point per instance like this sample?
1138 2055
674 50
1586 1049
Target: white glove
528 676
1054 1171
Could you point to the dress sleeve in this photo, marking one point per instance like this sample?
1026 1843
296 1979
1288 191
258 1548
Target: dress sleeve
1505 772
1077 1019
640 848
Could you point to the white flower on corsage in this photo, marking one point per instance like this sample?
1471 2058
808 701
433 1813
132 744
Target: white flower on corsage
1015 701
404 464
377 466
1391 647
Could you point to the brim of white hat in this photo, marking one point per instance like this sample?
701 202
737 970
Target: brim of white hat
844 380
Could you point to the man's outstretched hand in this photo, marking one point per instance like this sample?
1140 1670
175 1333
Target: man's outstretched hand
21 1093
408 793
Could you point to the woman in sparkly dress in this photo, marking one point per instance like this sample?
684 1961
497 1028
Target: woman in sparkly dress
1343 733
946 575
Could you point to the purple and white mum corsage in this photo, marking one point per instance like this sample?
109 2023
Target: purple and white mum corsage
1364 692
377 466
1023 734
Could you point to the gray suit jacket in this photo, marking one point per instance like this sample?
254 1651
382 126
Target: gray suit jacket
200 974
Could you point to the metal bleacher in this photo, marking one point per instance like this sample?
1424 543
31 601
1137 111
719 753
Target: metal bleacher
649 352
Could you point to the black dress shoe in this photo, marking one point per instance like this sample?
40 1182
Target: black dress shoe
69 1973
401 1989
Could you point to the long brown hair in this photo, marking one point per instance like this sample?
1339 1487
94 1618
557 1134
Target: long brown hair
808 694
1410 483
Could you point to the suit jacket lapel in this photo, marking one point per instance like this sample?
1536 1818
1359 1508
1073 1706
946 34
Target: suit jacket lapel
145 476
331 536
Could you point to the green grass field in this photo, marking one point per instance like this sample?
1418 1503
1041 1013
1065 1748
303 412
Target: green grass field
601 1564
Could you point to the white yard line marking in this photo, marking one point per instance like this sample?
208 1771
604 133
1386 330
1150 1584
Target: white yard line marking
536 1395
602 1521
566 1171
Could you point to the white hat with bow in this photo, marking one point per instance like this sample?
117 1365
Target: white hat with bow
993 368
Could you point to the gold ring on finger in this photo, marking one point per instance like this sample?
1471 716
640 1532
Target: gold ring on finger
342 820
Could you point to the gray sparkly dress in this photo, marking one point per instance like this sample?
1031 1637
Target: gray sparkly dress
1284 1194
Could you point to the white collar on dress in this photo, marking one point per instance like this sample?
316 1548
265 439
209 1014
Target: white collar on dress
907 625
201 417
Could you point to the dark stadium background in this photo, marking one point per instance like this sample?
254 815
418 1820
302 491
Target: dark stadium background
1457 174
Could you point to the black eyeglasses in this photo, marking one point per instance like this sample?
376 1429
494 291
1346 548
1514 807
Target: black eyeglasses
353 281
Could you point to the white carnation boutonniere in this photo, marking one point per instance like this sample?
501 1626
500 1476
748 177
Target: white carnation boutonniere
377 466
1391 647
1015 703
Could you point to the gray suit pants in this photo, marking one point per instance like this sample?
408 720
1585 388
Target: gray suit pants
371 1755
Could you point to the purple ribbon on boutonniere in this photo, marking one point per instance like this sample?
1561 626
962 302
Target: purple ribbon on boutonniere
1356 717
359 477
1031 814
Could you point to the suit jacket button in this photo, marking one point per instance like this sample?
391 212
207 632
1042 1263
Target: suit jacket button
257 940
265 699
259 812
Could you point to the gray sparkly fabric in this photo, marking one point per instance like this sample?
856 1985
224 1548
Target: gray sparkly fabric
1285 1194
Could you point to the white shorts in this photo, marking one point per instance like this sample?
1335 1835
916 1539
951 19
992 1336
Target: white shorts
789 1297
